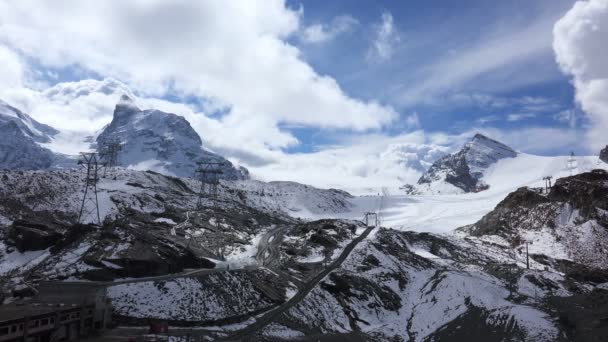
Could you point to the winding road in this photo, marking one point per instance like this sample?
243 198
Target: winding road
304 290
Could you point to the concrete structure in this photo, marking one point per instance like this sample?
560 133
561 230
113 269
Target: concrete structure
62 311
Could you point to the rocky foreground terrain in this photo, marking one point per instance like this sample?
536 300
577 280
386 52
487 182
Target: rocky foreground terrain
255 266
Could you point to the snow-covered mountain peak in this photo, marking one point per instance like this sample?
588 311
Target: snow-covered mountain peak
463 170
482 151
482 144
126 100
159 141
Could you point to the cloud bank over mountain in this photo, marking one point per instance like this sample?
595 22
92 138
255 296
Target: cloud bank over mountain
235 56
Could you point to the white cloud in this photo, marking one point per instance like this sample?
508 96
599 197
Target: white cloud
321 33
386 36
11 70
487 119
568 116
581 48
497 53
412 121
514 117
359 163
232 54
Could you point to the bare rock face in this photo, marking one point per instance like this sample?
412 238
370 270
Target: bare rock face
604 154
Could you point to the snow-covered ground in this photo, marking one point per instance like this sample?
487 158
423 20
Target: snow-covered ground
442 213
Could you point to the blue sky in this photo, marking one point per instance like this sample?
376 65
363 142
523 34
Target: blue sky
430 32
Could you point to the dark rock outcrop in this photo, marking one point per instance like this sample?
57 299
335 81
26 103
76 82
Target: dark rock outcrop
586 192
604 154
33 236
572 218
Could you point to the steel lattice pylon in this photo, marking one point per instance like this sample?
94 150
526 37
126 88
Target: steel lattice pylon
109 153
208 173
89 209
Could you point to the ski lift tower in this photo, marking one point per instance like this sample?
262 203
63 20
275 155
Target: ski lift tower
371 219
109 154
89 208
547 183
571 163
208 173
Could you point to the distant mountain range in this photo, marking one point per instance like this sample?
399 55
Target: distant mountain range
484 163
149 139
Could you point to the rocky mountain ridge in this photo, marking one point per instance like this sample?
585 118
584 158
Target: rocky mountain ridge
21 138
150 140
464 169
161 142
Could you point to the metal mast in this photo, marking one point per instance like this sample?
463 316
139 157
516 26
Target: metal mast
371 219
208 173
572 164
547 183
89 209
109 153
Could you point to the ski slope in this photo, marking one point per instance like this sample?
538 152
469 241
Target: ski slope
443 213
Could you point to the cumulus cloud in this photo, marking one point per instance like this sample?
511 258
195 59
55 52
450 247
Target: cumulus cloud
321 33
11 70
360 164
386 36
581 49
232 54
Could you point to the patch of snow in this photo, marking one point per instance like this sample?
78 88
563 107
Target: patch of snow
165 220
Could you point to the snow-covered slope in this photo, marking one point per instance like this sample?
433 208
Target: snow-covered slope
29 127
159 141
465 169
298 200
446 211
21 140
